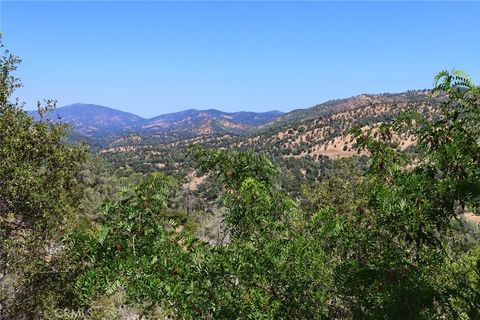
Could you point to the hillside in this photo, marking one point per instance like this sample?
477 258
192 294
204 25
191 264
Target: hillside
303 142
322 130
348 104
316 132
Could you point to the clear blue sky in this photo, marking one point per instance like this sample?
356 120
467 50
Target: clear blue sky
157 57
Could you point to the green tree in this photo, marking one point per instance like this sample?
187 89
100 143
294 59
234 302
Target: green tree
394 250
38 193
136 250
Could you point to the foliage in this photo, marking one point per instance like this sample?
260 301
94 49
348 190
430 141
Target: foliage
164 269
38 194
402 238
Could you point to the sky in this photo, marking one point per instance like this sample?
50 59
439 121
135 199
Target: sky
157 57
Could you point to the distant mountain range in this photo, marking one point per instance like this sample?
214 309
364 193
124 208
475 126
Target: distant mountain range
100 121
318 130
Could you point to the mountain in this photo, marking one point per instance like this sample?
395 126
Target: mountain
94 120
103 122
210 121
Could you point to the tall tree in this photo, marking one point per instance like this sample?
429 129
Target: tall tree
38 192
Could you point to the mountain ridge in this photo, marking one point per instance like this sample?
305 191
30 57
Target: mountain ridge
99 121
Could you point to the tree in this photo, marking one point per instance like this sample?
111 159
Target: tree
394 250
38 193
136 250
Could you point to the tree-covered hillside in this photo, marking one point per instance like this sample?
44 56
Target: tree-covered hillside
304 143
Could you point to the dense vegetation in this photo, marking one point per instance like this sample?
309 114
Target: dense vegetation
383 239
